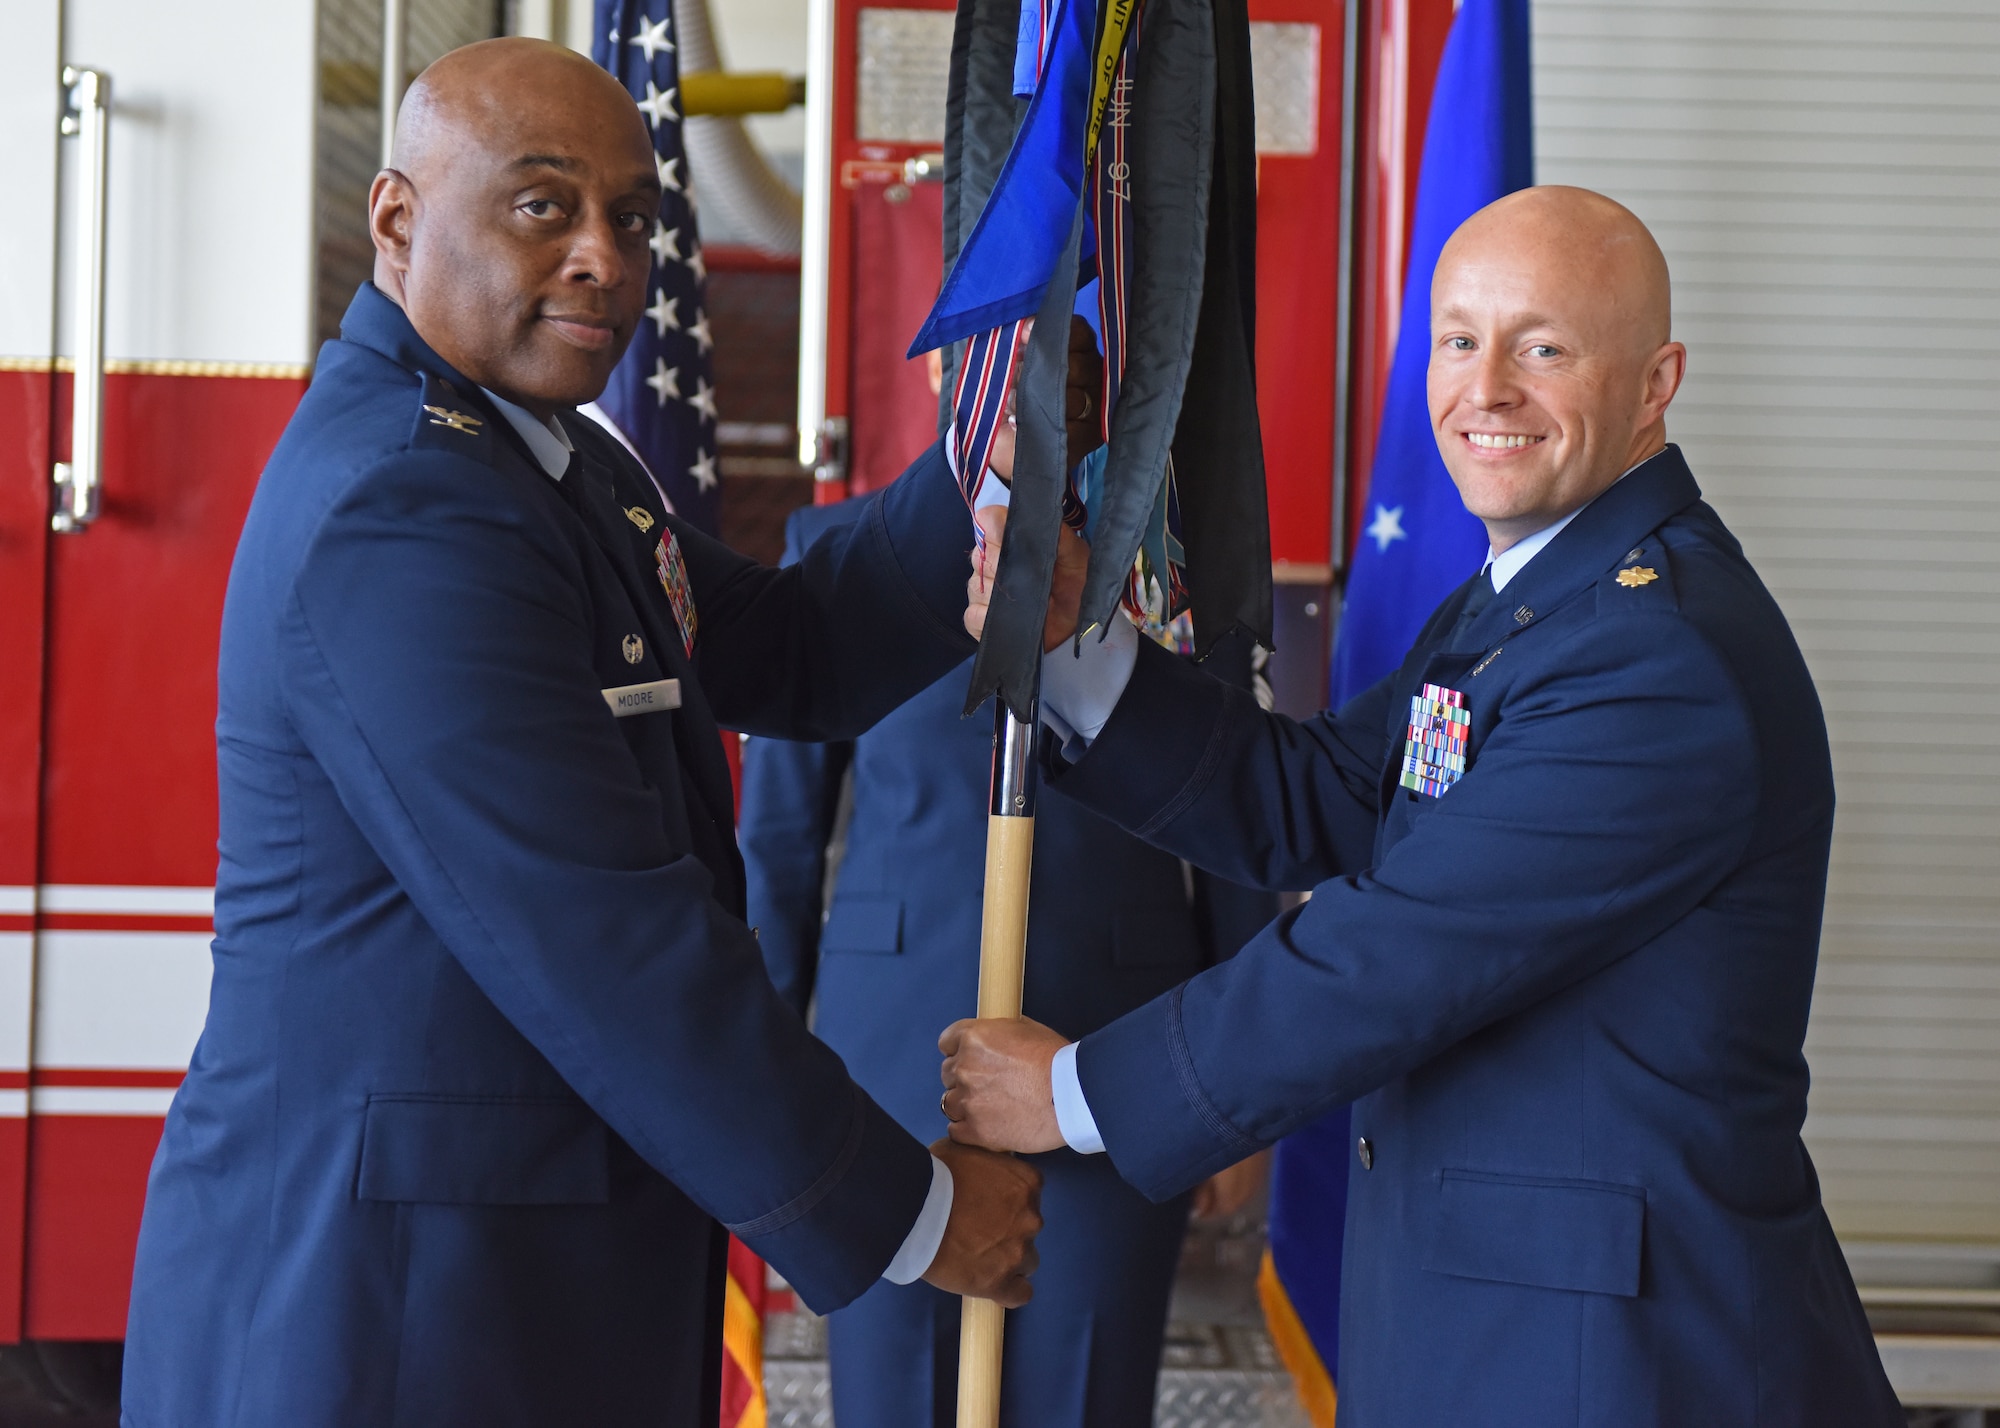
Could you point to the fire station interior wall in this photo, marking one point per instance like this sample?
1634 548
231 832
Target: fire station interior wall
210 252
1821 174
348 129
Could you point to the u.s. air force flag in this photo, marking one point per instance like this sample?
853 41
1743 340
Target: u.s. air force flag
661 400
1418 542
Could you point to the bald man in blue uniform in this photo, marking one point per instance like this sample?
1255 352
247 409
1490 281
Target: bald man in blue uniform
491 1058
1569 864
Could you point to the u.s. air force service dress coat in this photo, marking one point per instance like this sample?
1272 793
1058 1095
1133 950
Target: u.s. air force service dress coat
489 1049
1567 993
1113 923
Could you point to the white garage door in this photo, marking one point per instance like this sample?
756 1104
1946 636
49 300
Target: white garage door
1825 178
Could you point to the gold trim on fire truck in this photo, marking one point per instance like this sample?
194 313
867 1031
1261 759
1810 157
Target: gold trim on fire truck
166 367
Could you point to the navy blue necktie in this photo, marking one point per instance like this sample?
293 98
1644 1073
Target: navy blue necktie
1476 600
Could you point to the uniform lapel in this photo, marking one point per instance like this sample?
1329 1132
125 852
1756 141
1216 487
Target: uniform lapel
1609 530
697 737
1603 532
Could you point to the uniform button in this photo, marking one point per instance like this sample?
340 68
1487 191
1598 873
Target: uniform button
1367 1152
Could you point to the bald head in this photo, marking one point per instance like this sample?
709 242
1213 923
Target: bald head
1552 359
512 223
482 90
1571 237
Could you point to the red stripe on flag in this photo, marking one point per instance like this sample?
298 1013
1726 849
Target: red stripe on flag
743 1404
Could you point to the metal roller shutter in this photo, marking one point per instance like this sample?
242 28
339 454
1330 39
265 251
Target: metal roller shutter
1825 178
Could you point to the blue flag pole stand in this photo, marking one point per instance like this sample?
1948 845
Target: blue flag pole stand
1003 956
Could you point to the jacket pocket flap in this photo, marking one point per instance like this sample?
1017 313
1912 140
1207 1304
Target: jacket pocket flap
864 924
1550 1233
448 1150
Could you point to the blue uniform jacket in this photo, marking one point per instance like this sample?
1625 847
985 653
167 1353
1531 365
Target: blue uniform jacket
1569 993
490 1050
1112 922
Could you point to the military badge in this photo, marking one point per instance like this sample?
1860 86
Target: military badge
1638 575
640 517
673 574
458 421
1434 756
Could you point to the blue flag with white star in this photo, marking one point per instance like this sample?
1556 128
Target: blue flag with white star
662 395
1418 542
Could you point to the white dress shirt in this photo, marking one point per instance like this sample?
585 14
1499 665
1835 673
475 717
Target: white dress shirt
547 442
551 448
1080 690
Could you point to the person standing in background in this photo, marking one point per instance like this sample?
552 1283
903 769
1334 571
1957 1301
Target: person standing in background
1113 923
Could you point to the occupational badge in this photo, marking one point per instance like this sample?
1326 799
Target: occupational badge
673 574
640 517
634 648
1434 755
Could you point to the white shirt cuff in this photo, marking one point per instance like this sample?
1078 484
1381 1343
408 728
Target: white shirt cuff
920 1246
1073 1117
1080 688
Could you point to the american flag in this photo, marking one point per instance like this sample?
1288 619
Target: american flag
662 396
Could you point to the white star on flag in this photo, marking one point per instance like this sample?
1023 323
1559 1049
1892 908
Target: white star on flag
661 396
652 38
666 314
665 380
697 265
658 105
1387 526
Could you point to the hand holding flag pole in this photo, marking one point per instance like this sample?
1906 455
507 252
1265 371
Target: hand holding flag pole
1003 949
1003 928
1133 163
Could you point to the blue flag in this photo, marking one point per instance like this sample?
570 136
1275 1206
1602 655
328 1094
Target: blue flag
1005 266
1418 543
661 399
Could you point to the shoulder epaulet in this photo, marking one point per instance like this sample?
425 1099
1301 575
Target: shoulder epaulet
1642 580
447 421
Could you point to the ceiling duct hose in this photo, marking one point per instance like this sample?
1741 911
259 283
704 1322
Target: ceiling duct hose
730 174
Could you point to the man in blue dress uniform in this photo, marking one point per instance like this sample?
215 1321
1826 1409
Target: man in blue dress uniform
1113 923
490 1055
1570 861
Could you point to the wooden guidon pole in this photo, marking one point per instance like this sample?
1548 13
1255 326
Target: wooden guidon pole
1003 947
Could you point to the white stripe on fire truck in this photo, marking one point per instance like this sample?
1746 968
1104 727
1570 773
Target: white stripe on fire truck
98 1100
128 901
17 979
120 999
